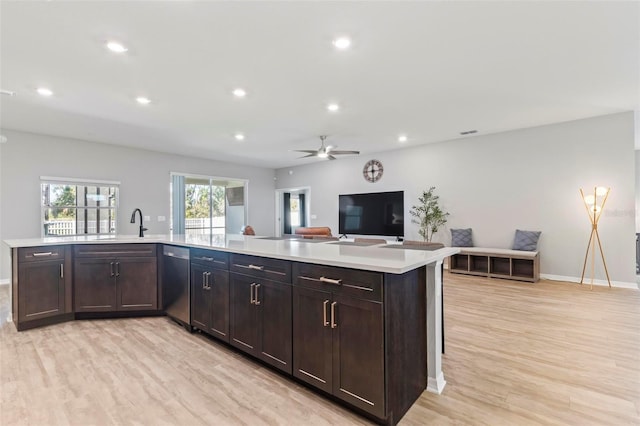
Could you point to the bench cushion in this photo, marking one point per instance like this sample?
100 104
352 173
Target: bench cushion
498 252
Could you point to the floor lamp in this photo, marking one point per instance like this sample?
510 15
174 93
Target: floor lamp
595 205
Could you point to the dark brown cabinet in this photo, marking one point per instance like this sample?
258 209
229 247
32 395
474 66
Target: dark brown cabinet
42 286
115 277
338 335
260 322
210 292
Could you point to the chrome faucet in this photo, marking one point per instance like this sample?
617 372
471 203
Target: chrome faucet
133 220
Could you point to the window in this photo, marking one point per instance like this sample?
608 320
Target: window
74 207
295 210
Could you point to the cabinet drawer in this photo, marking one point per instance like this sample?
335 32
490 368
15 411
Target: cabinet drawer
34 254
362 284
216 259
263 267
115 250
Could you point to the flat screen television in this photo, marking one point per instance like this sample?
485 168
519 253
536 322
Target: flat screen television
376 213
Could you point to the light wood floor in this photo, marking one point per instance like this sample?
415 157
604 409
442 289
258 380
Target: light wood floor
517 354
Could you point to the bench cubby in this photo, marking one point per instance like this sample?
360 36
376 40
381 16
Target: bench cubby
497 263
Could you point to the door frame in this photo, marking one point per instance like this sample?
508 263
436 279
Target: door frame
279 224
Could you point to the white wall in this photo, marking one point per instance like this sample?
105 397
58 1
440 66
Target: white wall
144 177
637 190
525 179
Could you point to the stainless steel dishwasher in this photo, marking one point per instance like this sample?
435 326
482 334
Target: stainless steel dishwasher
175 284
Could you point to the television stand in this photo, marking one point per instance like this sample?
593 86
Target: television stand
343 236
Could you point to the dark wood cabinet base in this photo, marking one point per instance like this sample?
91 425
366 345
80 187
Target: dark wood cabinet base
27 325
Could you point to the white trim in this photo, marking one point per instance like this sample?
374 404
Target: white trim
198 176
436 385
5 281
77 180
620 284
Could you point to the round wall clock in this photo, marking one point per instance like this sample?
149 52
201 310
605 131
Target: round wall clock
372 171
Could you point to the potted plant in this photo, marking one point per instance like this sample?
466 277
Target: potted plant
428 214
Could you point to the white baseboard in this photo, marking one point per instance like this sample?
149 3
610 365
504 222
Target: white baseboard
6 281
620 284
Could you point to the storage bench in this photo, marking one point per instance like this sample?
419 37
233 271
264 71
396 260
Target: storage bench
496 263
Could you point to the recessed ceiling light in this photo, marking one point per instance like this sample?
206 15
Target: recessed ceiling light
114 46
142 100
44 91
239 136
342 43
333 107
239 93
402 138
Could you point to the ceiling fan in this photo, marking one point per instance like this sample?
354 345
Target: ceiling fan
324 151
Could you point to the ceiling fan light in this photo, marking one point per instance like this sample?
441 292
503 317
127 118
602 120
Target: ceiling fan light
323 154
43 91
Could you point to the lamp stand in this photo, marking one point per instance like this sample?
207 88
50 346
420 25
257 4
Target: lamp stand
594 211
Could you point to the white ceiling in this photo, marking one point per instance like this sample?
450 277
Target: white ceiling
427 69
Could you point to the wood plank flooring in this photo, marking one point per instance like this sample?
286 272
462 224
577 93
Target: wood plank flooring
517 354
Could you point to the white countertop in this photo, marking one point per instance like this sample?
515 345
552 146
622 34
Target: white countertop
371 258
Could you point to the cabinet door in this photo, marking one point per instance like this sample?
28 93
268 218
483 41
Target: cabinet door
95 285
273 303
219 291
312 337
137 283
200 297
42 289
243 331
358 353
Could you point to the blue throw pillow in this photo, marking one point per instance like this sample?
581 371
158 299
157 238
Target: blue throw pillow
461 238
526 240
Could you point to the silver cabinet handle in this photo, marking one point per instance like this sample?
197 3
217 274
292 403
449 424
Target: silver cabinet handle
330 281
208 283
257 301
42 254
333 315
111 269
256 267
324 313
117 269
252 301
62 270
204 280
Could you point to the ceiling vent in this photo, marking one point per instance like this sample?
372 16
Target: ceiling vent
7 92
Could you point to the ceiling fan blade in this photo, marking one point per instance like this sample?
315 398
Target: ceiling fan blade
307 151
344 152
309 155
331 157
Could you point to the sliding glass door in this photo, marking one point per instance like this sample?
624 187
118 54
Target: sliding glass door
207 205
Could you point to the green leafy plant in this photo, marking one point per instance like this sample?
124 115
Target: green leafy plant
428 214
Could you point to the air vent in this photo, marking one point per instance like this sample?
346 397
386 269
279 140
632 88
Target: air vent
469 132
7 92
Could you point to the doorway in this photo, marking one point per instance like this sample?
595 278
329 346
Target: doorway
292 210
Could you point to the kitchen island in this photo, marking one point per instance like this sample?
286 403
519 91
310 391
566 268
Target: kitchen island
360 324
